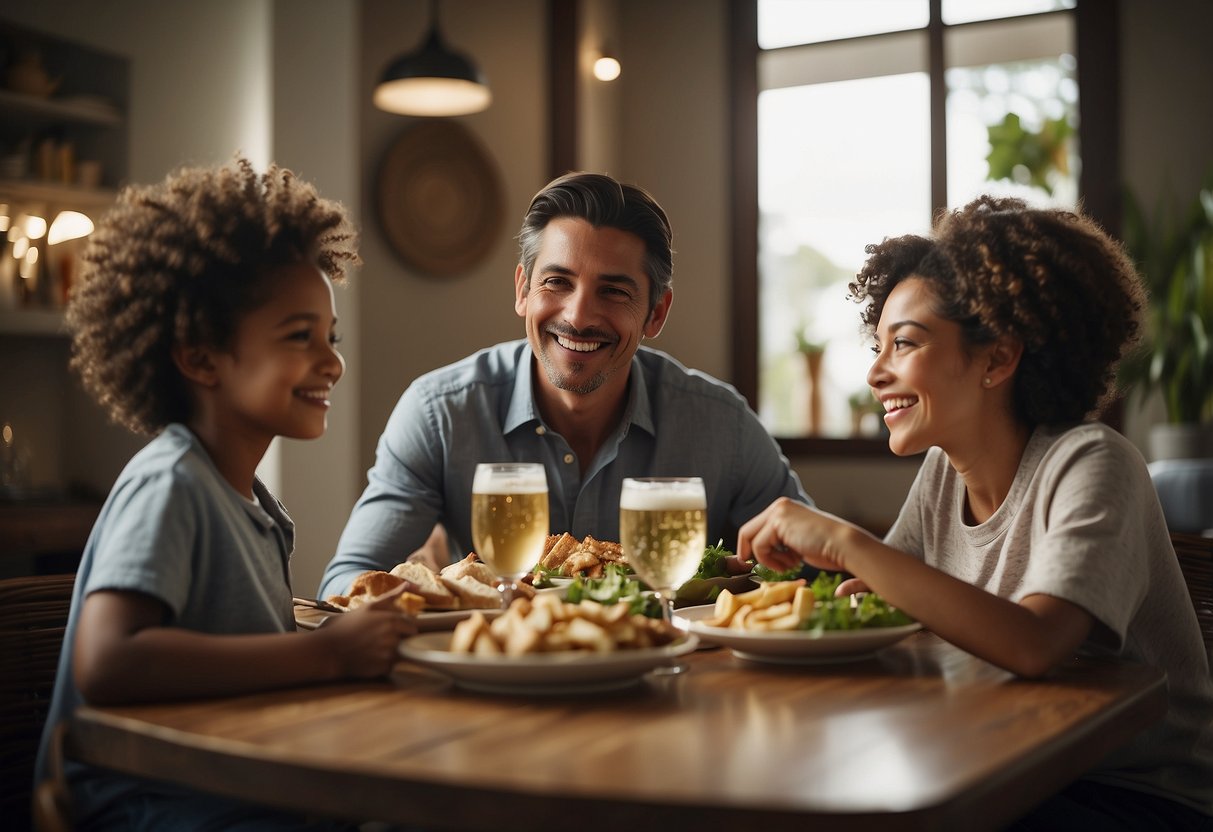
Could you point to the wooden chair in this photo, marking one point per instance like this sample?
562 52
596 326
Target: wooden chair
1195 555
33 618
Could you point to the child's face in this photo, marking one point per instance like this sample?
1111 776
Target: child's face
276 378
930 386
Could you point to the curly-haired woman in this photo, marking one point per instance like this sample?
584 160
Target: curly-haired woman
204 317
1031 532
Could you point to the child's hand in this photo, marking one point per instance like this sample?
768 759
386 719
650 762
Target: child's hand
364 641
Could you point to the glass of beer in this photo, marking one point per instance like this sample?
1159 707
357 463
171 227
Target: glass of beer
663 525
509 519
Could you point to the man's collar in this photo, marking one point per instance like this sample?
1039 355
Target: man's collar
523 409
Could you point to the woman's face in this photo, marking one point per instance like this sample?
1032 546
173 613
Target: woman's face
929 384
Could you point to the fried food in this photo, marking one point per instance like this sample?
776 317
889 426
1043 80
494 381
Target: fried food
563 553
370 585
546 624
427 584
472 594
466 585
773 606
409 603
471 565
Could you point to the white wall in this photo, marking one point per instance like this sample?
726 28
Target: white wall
315 92
412 322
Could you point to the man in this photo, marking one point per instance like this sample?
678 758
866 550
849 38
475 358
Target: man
579 395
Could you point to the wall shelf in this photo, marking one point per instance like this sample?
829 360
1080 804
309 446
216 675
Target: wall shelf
37 322
49 146
52 193
49 111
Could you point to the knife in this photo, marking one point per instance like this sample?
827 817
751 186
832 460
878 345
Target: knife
316 603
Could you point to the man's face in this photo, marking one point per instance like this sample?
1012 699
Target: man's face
586 306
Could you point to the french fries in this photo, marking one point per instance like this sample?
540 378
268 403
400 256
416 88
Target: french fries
781 605
545 624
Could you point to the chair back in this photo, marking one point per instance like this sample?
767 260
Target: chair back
1185 492
1195 555
33 619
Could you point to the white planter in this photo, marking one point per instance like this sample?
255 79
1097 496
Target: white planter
1181 441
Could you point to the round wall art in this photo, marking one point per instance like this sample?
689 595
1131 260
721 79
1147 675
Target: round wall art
439 198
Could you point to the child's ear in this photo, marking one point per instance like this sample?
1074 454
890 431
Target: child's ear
196 364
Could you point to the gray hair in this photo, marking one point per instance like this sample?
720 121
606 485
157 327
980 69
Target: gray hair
603 202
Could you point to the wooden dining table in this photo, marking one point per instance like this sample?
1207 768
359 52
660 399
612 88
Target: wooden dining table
921 735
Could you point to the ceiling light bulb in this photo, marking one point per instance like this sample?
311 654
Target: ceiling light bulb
33 226
69 225
432 80
607 68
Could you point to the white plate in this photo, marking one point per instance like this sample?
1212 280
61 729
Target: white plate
795 646
569 671
310 619
432 621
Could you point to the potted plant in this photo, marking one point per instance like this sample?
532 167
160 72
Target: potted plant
813 352
1175 256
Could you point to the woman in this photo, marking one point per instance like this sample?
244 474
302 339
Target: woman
1029 533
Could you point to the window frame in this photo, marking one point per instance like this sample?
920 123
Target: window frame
1096 35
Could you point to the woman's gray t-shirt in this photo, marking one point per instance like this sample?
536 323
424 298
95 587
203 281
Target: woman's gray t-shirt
1082 523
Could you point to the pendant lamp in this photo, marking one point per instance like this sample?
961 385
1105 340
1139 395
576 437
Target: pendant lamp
432 80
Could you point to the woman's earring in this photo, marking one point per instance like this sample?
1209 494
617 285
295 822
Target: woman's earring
986 381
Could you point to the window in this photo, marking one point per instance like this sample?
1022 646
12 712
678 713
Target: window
859 119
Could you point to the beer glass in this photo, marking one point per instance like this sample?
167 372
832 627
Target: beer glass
663 529
509 519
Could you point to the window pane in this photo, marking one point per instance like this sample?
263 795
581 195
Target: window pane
1012 131
840 165
791 22
964 11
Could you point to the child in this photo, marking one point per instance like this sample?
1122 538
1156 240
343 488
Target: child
204 317
1029 533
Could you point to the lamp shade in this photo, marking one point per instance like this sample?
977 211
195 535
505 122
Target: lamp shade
433 80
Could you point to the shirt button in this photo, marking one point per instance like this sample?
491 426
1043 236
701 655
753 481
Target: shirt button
568 459
541 430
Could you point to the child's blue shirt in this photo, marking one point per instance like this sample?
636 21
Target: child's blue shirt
174 529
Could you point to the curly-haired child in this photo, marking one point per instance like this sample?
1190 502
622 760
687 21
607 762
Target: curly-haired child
204 317
1030 532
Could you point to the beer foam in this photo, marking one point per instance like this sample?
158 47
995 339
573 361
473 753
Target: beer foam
522 483
661 498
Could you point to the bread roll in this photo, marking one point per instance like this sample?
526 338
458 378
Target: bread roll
426 583
473 595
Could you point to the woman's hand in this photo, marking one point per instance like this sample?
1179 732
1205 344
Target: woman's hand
851 586
788 532
734 565
364 641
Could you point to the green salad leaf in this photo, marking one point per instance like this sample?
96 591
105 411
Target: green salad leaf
616 584
830 613
712 565
543 576
767 574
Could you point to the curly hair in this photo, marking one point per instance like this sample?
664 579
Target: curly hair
1050 278
603 202
181 262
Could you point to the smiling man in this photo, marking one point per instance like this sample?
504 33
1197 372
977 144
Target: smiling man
580 395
